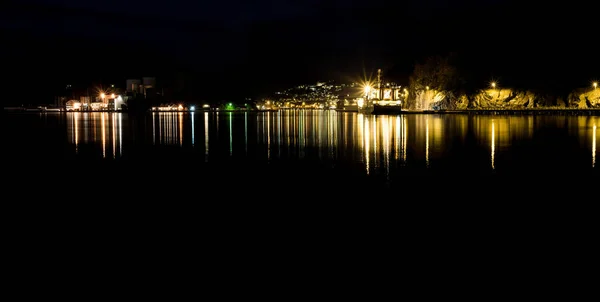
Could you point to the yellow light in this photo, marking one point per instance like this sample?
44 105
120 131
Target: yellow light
367 88
102 95
360 103
112 95
493 84
427 87
595 84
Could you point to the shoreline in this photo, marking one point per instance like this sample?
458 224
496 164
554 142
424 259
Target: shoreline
380 111
504 112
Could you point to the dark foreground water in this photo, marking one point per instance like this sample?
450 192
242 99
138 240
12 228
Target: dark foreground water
297 149
123 200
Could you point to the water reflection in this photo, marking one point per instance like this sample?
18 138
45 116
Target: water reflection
500 132
380 144
594 147
102 115
193 129
102 129
493 143
404 136
585 128
366 142
230 134
114 135
427 141
180 126
120 133
206 136
171 128
75 123
383 141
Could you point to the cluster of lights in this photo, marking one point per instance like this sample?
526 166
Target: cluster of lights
367 87
102 95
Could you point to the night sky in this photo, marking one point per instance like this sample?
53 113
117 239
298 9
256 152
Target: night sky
252 47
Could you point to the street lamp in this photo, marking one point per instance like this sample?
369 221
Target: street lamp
595 84
493 84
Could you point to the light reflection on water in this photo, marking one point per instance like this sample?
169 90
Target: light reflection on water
594 146
380 143
206 136
101 129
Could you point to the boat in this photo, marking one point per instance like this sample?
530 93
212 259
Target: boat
382 98
365 106
387 109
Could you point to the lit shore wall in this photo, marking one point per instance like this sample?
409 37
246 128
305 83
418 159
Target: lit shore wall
503 99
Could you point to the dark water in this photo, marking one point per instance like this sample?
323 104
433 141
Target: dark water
191 188
302 149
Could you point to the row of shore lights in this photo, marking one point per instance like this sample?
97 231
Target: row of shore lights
368 87
102 95
492 84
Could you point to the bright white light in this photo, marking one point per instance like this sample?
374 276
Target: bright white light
192 108
360 103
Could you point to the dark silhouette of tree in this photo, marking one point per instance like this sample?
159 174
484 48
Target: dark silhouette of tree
437 72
